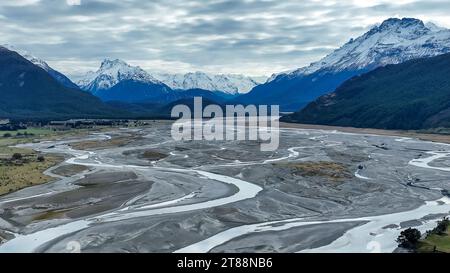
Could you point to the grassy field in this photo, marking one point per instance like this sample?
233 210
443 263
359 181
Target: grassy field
153 155
28 171
96 144
330 170
34 131
16 174
441 242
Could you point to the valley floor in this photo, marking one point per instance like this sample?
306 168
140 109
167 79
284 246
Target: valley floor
436 137
138 190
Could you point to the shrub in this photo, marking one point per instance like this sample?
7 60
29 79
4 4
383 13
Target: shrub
17 156
41 158
441 227
7 135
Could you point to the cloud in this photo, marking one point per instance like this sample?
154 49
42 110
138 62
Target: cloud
73 2
19 3
232 36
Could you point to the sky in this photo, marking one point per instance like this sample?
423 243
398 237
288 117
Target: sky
216 36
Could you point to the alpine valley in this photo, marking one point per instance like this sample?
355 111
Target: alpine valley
133 92
94 162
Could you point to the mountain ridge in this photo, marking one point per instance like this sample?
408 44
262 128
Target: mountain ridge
60 77
112 72
29 92
393 41
411 95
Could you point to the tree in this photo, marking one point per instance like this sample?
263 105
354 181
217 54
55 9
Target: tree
441 227
409 238
17 156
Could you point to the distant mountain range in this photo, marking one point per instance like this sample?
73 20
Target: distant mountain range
394 41
102 83
116 80
233 84
28 91
411 95
358 71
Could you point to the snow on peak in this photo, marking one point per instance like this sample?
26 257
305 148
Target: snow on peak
401 23
229 83
61 78
393 41
109 63
408 28
112 72
434 27
36 61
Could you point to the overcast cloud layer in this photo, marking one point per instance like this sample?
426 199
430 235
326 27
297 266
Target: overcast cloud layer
221 36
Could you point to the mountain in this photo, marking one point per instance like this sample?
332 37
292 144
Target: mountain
28 92
392 42
232 84
42 64
157 110
116 80
205 94
411 95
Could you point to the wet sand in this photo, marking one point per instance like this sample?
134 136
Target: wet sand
229 196
288 241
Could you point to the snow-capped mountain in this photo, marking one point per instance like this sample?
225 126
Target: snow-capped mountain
119 81
232 84
116 80
111 72
393 41
114 72
387 98
61 78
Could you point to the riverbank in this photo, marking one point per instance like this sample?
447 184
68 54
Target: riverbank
21 168
441 138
